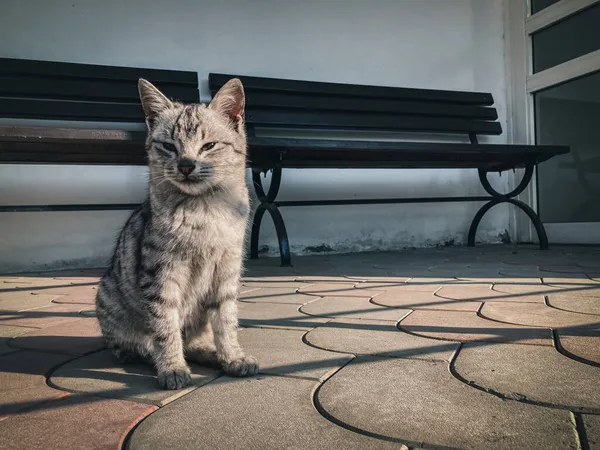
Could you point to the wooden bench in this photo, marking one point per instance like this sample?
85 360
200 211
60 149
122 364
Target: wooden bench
57 95
303 105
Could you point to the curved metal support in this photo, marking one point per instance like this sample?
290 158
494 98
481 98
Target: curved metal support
537 223
282 237
256 221
516 191
267 204
271 195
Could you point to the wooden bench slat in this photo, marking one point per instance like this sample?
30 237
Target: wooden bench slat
375 121
70 110
37 87
216 80
21 67
311 101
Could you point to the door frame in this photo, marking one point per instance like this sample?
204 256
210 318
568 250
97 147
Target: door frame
522 83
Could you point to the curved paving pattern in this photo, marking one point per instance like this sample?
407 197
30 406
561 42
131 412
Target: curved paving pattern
521 372
481 293
73 422
101 375
535 315
79 337
7 333
337 290
575 303
23 301
274 295
581 344
422 404
23 382
276 315
469 327
282 352
377 337
398 298
351 307
257 413
359 351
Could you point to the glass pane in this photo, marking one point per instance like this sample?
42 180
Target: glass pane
538 5
569 185
572 37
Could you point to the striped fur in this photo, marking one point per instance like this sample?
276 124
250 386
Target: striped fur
170 291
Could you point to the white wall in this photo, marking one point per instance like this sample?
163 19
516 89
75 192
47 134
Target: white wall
445 44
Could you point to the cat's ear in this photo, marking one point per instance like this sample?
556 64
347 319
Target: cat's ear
153 101
230 101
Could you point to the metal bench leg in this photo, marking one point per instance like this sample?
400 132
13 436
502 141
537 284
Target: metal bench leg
498 198
267 204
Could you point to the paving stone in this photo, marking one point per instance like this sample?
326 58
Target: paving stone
398 298
42 317
29 283
422 404
377 337
79 280
531 372
574 303
246 289
562 268
282 352
73 294
470 291
584 344
289 282
274 295
352 307
20 301
522 273
23 381
336 290
7 331
534 315
314 279
256 413
101 375
73 338
6 335
580 289
427 284
592 430
73 422
276 315
469 327
522 289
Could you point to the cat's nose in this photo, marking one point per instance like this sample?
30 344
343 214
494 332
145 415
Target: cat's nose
186 166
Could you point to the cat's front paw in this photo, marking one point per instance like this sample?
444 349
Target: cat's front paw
177 378
245 366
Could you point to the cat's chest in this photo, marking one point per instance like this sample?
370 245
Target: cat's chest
216 223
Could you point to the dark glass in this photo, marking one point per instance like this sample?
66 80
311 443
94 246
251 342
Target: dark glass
538 5
574 36
569 185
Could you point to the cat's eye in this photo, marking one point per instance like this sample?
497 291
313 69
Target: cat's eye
169 147
208 146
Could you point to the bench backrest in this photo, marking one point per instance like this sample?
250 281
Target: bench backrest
280 103
46 90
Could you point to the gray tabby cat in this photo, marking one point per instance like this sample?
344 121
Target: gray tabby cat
170 291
